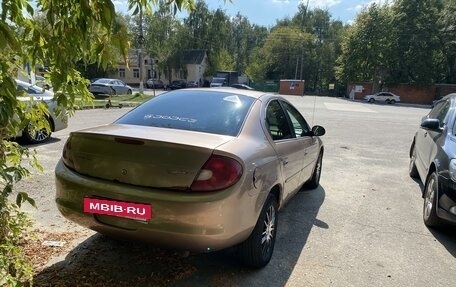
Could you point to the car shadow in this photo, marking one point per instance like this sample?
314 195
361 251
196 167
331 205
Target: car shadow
447 237
24 143
103 261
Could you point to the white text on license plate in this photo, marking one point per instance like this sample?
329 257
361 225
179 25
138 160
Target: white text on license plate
118 208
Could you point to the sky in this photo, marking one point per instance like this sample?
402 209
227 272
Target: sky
266 12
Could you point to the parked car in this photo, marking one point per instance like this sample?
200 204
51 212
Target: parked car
30 133
433 161
42 83
242 86
110 87
218 82
386 97
192 84
223 162
155 84
177 84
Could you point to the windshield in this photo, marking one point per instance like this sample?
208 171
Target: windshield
203 111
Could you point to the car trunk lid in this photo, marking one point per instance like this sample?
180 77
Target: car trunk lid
143 156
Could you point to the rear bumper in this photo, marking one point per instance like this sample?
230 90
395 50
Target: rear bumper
200 223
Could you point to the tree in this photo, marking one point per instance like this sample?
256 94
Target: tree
72 32
366 47
447 39
281 53
415 47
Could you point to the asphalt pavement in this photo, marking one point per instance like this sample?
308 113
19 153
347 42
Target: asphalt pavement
362 227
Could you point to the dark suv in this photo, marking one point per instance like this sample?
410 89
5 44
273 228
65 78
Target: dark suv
155 84
433 161
177 84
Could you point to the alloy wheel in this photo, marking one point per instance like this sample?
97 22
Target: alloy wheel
429 198
268 231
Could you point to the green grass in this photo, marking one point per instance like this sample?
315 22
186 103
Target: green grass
125 100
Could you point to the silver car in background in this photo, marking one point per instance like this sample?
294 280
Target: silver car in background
385 97
110 87
30 133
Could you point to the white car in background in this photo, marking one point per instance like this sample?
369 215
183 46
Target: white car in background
386 97
30 134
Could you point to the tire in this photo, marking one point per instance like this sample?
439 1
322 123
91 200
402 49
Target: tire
314 182
257 250
413 172
430 217
388 102
392 102
129 92
31 135
371 100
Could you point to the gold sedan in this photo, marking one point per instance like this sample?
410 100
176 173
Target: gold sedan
198 170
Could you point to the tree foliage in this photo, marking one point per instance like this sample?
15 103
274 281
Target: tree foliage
365 47
406 42
61 36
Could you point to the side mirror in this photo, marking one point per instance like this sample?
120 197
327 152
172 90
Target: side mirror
318 131
431 124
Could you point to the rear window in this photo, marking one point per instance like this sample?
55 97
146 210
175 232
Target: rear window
203 111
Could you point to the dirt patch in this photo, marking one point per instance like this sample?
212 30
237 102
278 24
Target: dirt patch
102 261
40 246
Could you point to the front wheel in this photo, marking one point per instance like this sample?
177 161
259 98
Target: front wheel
371 100
129 92
257 250
413 172
32 135
430 201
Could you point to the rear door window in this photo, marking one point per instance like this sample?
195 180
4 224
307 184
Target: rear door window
277 122
203 111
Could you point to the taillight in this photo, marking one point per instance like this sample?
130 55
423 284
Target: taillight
218 172
67 160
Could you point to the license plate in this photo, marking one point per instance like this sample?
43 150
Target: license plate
124 209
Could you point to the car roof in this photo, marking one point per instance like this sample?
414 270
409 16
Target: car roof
447 97
249 93
106 79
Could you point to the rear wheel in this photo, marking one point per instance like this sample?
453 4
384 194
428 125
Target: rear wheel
315 180
371 100
392 102
129 92
257 250
430 201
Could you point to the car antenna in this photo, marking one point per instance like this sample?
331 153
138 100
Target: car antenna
313 112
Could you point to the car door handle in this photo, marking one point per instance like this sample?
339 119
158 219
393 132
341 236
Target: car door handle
284 161
425 134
